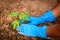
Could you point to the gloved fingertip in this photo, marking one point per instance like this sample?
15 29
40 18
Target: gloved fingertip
21 33
17 28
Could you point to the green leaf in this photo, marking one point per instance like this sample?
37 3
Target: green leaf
15 24
12 14
23 16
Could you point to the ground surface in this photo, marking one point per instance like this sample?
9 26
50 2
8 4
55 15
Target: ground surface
34 7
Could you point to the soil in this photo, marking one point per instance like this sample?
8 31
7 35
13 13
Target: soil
34 7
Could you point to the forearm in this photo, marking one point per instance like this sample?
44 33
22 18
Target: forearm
54 31
56 10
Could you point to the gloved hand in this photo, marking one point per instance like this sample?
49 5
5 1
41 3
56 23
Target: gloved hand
47 17
32 30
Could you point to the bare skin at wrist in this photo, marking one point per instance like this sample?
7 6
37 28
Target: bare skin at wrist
54 31
56 10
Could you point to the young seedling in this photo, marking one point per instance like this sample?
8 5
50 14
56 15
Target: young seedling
24 17
13 14
15 24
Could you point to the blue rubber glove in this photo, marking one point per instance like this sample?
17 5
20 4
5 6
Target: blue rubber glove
47 17
32 30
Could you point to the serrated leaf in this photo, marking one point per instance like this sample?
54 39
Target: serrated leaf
15 24
12 14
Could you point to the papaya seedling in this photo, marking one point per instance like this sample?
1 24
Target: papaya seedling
22 17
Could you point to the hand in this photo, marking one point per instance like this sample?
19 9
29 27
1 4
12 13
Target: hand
47 17
32 30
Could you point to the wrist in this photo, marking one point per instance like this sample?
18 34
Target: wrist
54 31
56 10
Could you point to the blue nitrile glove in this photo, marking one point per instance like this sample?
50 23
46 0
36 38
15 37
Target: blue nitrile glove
32 30
47 17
